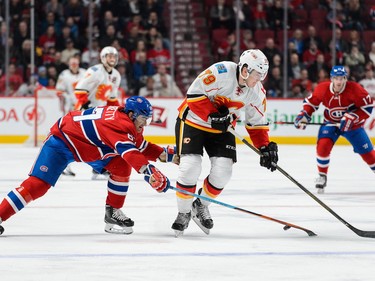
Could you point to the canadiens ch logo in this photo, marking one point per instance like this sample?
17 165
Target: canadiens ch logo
131 137
44 168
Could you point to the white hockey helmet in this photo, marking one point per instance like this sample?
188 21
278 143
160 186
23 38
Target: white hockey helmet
254 59
108 50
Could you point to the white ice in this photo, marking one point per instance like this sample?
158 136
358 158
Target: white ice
61 235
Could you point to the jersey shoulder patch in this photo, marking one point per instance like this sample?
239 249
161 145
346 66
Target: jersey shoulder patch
221 68
94 68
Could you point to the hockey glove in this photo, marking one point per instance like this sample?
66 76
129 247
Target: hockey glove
156 179
302 120
347 122
221 120
269 157
169 155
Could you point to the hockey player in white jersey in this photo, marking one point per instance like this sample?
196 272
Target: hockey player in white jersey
66 83
100 84
212 103
99 87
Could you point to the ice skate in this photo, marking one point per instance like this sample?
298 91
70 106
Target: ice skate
181 223
321 183
68 172
1 228
201 216
97 176
117 222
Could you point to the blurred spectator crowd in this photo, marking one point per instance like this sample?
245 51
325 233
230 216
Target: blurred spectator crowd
309 40
134 27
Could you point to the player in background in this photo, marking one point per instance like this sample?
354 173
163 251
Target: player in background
65 85
213 101
106 137
347 106
99 87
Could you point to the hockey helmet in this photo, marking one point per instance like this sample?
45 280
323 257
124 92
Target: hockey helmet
140 106
254 59
106 51
338 70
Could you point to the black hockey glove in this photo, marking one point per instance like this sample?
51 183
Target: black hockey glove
85 105
220 120
269 156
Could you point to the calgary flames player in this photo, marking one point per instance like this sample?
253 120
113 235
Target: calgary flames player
65 85
213 100
67 82
101 82
106 137
347 106
98 87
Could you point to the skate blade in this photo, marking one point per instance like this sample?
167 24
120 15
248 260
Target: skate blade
198 222
110 228
68 174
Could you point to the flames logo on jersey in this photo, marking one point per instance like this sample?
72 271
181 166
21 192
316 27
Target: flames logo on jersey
220 101
103 92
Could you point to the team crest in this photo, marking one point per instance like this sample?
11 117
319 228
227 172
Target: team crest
187 140
131 137
44 168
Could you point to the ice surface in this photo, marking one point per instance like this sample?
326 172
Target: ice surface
61 236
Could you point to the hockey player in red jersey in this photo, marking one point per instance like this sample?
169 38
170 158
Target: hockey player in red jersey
107 137
347 106
213 100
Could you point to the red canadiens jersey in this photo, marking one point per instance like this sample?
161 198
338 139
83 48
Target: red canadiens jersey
102 132
352 99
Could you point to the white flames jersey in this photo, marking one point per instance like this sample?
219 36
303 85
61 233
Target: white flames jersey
66 83
220 84
99 85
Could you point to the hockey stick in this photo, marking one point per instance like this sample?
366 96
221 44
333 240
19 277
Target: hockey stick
362 233
292 123
287 224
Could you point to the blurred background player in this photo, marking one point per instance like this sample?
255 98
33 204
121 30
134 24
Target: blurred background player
66 83
213 100
347 106
99 87
116 144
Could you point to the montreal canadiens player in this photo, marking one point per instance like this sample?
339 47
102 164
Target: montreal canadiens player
347 106
99 87
213 100
66 83
105 137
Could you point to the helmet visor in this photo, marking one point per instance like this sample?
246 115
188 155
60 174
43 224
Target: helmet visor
145 120
256 75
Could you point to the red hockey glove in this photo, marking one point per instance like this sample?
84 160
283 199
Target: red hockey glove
347 122
169 155
156 179
302 120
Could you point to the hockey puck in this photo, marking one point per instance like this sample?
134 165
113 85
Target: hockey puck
286 227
